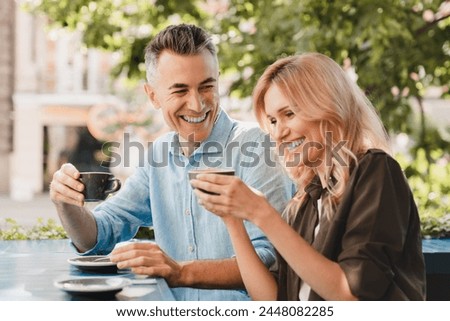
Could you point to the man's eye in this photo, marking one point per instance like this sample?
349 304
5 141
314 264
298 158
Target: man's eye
206 88
179 92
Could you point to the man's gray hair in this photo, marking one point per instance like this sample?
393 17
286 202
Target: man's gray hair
182 39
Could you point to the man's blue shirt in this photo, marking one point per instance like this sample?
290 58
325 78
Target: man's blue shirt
158 194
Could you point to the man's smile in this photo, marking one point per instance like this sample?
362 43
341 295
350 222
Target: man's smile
195 120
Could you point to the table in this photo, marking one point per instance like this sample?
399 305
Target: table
29 268
437 263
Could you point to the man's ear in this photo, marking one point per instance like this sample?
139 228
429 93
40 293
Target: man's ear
152 96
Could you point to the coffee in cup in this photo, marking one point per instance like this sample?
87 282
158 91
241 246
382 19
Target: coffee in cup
222 171
98 185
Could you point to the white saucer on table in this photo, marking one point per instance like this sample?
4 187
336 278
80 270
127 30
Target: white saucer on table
94 263
92 285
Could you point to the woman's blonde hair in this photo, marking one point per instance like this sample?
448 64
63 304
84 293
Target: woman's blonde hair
321 92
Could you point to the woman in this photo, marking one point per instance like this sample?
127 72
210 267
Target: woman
352 231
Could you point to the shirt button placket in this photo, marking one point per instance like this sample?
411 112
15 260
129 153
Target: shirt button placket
190 248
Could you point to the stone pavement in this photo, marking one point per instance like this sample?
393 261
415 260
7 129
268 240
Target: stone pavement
26 213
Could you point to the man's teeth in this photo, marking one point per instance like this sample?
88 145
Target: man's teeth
195 119
296 143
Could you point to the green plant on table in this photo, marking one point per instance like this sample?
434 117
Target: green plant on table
435 226
11 230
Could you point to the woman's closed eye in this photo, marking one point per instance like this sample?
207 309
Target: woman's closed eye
289 114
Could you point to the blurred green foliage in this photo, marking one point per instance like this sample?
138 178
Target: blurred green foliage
433 226
42 230
430 183
398 49
389 42
11 230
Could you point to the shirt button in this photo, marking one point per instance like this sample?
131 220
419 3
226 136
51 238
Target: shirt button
190 248
187 212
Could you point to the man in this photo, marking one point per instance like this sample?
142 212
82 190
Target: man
193 251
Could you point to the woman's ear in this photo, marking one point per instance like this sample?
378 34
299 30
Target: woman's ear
152 96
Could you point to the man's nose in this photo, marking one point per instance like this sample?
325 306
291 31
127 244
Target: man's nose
195 102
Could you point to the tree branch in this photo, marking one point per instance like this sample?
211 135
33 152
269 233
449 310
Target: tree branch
430 25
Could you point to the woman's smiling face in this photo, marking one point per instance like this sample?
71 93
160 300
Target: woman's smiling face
298 141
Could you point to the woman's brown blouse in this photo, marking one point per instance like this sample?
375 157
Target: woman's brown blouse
374 234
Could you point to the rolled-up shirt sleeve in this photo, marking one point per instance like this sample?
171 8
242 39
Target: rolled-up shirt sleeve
120 216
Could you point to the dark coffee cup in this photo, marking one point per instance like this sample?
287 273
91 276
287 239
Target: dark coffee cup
222 171
98 185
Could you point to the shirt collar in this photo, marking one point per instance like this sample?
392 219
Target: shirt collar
314 188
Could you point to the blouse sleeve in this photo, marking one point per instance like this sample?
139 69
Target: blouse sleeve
379 208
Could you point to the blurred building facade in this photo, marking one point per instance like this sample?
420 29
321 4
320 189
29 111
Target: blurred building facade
7 9
48 83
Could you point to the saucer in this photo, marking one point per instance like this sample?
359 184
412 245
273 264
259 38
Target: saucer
94 263
88 286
